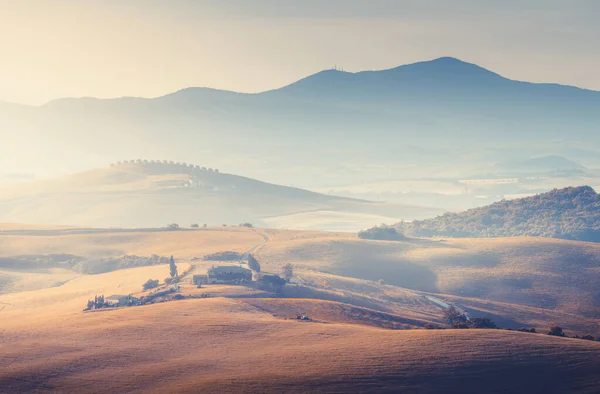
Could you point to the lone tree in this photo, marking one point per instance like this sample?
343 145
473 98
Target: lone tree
172 267
556 331
455 318
287 272
253 263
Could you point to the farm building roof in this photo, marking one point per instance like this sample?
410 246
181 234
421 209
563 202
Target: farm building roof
228 268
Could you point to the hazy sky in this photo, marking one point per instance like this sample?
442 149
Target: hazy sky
111 48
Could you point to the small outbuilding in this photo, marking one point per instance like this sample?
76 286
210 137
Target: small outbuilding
200 280
117 300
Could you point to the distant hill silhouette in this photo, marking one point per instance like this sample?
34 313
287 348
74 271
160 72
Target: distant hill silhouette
150 193
572 213
382 115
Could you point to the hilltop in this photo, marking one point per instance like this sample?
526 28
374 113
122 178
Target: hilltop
570 213
148 193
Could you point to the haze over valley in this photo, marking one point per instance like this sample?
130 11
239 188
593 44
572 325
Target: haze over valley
444 134
268 196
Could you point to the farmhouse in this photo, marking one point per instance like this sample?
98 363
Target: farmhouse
118 300
229 274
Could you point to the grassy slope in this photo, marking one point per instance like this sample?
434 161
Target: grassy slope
558 279
184 245
192 346
134 196
226 345
518 281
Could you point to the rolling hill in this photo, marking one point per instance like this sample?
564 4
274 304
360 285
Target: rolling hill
221 345
518 282
365 333
139 194
571 213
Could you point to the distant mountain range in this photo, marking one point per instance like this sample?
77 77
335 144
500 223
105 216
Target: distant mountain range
571 213
320 131
142 193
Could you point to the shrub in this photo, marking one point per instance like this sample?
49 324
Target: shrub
170 281
151 284
588 337
454 317
460 320
271 283
532 330
381 233
556 331
224 256
481 322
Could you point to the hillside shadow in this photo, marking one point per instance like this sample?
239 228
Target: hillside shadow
393 272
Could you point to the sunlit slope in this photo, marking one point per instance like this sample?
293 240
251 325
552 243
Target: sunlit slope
183 244
154 194
220 345
20 255
517 281
543 273
70 298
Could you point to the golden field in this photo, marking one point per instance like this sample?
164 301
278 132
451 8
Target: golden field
224 345
365 333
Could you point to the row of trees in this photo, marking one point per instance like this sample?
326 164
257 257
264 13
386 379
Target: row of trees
168 162
460 320
557 331
97 303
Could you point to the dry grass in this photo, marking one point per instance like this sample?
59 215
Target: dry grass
184 244
238 345
21 309
18 281
517 281
220 345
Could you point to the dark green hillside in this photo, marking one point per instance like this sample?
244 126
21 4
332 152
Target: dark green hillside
571 213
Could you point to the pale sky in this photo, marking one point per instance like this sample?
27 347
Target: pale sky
113 48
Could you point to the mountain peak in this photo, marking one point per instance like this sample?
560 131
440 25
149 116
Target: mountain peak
446 66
